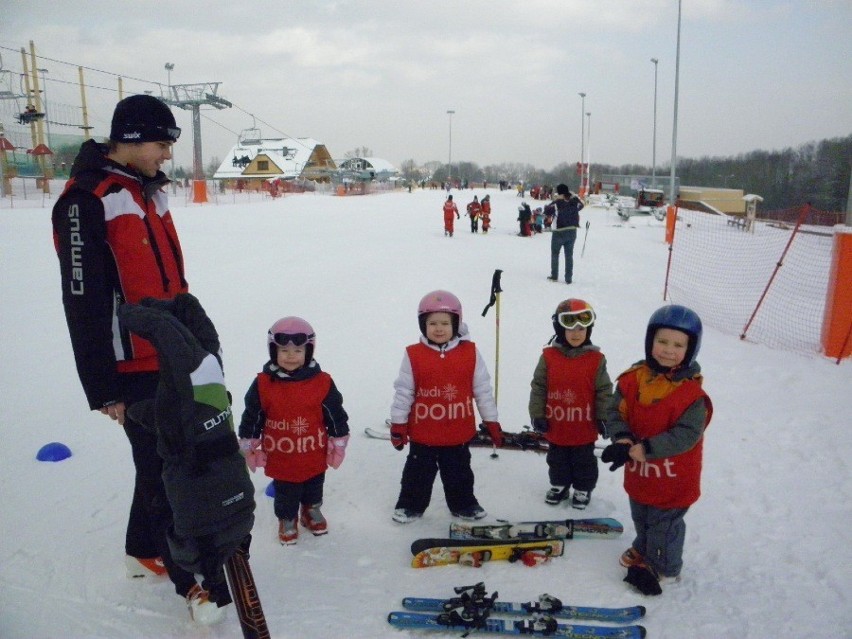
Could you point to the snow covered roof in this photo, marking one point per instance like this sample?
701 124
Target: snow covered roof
274 157
369 168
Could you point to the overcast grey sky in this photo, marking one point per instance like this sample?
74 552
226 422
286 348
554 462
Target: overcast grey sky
754 74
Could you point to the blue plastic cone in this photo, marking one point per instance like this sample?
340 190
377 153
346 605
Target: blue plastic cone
53 452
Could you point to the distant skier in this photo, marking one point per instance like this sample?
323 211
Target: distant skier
486 213
474 210
450 209
566 210
525 220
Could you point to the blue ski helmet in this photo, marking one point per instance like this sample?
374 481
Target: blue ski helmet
679 318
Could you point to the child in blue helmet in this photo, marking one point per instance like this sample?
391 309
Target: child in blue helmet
657 420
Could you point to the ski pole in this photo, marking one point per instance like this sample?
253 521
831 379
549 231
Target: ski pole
494 300
585 237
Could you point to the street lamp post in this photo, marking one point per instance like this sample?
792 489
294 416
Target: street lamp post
450 113
672 194
582 137
654 152
588 151
169 67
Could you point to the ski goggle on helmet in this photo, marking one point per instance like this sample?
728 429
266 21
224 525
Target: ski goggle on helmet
290 330
573 313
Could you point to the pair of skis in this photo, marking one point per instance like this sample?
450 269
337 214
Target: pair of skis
526 439
475 552
531 542
472 609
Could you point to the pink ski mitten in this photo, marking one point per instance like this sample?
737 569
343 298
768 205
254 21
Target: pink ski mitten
336 450
255 457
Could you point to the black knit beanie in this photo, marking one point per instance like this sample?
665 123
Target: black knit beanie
143 118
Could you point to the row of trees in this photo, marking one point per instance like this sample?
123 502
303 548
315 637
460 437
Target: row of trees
817 173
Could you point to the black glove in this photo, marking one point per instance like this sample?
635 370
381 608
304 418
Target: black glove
616 454
539 424
644 580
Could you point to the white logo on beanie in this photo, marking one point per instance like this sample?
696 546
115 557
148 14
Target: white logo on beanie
133 135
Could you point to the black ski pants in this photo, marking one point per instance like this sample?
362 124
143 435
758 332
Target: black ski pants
288 495
574 466
421 467
150 512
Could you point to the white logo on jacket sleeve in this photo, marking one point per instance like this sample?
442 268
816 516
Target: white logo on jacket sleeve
76 285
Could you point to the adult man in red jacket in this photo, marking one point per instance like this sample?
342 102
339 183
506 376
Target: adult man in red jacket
117 244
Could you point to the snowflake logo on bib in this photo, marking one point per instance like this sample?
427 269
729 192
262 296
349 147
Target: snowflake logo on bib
449 392
299 426
568 396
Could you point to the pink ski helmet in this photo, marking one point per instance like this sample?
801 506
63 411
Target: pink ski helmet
439 302
291 330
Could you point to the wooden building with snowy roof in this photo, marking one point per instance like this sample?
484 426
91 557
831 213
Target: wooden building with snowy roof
257 159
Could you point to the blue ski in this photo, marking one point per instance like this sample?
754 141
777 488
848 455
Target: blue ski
545 604
537 626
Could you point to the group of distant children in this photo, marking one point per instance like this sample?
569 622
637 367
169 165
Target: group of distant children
530 221
295 427
476 211
533 221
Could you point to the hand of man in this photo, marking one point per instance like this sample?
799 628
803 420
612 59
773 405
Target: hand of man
115 411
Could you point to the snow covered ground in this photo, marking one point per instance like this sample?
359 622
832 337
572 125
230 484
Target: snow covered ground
768 550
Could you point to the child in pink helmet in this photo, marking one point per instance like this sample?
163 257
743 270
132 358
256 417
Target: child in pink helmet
440 378
294 426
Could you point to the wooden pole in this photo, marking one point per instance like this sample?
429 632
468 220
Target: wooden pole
39 123
86 126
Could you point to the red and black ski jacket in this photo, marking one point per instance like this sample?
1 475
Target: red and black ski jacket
116 243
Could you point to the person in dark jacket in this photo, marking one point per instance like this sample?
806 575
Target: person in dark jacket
116 244
204 474
565 210
525 220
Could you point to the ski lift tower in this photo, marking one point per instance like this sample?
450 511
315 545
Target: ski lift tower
192 97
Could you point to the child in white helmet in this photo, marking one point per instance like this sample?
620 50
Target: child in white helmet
294 426
440 378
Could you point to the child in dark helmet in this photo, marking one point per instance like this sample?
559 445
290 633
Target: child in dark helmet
657 422
439 380
571 391
295 427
